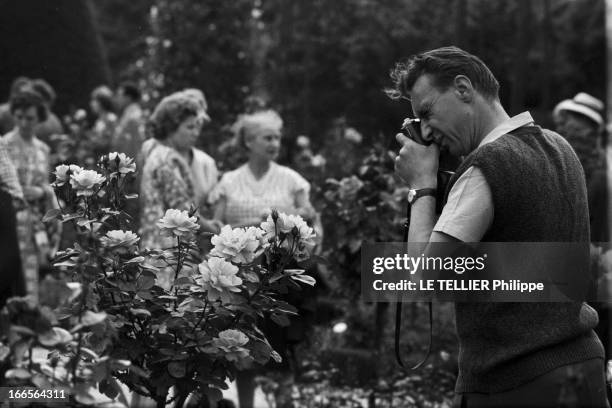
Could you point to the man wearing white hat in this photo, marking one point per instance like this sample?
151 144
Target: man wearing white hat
580 121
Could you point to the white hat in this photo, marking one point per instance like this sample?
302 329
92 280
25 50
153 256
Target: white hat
584 104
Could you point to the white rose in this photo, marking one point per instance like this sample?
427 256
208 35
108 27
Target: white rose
84 182
61 173
125 240
239 245
178 223
230 342
218 278
126 164
295 228
230 338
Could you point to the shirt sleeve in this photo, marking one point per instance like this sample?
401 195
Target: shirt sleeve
9 180
299 183
468 213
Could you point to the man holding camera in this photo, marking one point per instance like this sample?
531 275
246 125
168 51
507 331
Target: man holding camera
517 183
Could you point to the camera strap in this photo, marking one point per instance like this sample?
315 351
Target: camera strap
398 316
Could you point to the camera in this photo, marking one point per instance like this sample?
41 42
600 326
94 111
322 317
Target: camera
411 127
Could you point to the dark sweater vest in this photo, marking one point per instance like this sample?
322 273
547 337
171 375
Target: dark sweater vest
539 195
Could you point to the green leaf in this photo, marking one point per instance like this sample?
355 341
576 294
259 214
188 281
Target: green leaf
145 294
184 280
4 352
145 282
280 319
90 318
177 369
137 259
291 272
22 330
41 381
68 264
17 374
52 214
55 336
92 354
276 357
309 280
141 312
250 276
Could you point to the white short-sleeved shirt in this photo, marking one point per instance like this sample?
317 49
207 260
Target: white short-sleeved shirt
468 212
248 199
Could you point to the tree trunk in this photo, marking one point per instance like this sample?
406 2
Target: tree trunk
54 40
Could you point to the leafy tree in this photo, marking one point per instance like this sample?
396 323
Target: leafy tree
57 41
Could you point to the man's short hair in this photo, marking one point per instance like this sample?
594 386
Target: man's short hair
443 65
131 90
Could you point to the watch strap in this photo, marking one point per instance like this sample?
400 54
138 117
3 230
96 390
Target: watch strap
422 192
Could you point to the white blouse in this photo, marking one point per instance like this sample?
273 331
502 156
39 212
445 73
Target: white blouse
249 200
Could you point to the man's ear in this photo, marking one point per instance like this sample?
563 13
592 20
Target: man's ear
464 88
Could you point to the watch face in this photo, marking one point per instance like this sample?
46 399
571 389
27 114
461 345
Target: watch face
411 194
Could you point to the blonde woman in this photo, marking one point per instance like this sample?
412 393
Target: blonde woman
245 196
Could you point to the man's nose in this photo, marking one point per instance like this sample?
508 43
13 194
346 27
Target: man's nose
426 131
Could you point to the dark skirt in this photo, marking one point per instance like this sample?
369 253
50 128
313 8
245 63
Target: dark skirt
11 276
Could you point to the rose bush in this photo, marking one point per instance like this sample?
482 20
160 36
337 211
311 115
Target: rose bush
106 319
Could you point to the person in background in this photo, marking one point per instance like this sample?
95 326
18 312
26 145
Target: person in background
30 156
342 137
103 129
129 133
50 129
204 169
6 118
167 181
582 125
128 138
246 196
11 200
580 121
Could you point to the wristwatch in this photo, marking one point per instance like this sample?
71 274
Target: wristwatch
413 195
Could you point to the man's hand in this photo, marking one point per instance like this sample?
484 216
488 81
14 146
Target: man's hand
417 164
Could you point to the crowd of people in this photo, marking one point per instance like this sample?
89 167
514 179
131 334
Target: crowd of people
172 174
